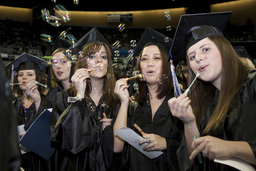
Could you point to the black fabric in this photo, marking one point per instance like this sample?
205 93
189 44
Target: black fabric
151 35
164 125
10 158
76 132
238 126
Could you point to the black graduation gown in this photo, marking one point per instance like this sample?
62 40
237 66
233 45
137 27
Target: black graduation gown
30 160
164 125
9 147
239 124
77 134
51 96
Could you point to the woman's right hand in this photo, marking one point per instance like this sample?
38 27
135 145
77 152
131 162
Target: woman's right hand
181 109
121 90
79 81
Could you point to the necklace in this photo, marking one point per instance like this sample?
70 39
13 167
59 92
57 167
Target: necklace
25 111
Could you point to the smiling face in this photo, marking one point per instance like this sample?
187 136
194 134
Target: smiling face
205 58
98 63
61 66
24 77
151 64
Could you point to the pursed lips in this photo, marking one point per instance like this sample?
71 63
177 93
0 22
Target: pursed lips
202 68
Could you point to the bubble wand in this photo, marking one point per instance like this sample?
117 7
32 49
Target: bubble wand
192 83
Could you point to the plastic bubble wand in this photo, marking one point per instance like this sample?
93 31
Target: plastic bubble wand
41 84
192 83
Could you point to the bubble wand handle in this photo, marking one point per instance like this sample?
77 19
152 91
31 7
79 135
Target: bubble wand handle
192 83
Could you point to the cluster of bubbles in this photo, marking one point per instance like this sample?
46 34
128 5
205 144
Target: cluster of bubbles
76 2
61 14
167 15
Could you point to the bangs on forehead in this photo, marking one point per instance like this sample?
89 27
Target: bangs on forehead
93 47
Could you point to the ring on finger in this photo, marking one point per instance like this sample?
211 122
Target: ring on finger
148 140
205 152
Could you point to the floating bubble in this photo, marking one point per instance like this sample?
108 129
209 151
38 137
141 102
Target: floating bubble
130 55
135 73
68 53
75 2
166 39
115 59
46 37
54 1
121 27
50 19
165 76
159 81
60 11
133 43
72 39
80 54
167 15
63 34
116 44
136 87
116 52
168 28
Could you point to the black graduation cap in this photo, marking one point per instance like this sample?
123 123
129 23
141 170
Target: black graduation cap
61 43
245 48
27 61
195 27
92 36
153 36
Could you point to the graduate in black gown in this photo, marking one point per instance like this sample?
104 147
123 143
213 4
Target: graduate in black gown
59 71
220 106
82 114
149 110
28 102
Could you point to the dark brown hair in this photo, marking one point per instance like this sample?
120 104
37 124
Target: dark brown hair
165 88
233 75
109 79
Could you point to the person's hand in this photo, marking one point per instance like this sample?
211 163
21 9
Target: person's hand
155 142
32 91
212 148
79 81
121 90
181 109
105 122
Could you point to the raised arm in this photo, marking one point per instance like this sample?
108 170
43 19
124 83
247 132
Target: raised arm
121 120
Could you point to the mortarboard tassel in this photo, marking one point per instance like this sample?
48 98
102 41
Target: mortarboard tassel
177 91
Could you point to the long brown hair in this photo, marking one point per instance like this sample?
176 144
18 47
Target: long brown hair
109 79
165 88
233 76
54 80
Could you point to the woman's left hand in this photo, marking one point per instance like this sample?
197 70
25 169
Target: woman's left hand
156 142
105 122
212 148
32 91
